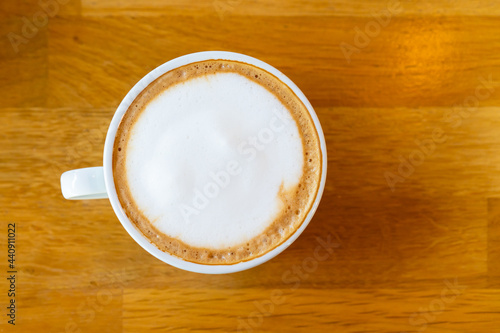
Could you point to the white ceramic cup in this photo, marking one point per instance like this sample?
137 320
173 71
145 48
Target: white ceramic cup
97 182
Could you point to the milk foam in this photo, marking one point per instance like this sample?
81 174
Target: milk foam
207 158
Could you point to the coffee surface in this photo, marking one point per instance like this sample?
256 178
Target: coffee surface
217 162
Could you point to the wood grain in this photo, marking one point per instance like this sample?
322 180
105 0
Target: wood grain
390 71
419 255
347 8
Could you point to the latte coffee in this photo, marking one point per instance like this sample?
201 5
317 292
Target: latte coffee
217 162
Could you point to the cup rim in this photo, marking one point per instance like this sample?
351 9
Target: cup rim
108 171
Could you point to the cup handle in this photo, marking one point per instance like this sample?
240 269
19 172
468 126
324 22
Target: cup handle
82 184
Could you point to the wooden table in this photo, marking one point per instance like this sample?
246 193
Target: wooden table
408 94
